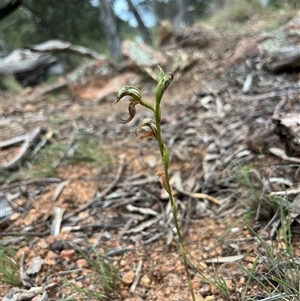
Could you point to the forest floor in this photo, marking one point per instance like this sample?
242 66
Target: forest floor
226 164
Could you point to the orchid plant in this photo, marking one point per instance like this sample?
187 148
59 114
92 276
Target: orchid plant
152 129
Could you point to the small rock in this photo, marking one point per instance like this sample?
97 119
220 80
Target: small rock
124 294
250 259
128 278
196 283
205 290
82 263
29 108
24 250
35 265
242 280
229 284
43 244
50 258
145 281
67 255
79 284
83 214
209 298
14 216
57 246
167 292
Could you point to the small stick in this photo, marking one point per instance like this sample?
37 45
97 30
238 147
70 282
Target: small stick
201 196
70 144
28 140
137 277
26 234
93 226
153 239
26 281
56 224
30 182
117 251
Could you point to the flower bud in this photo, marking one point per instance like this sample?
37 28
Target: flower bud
162 86
133 93
149 127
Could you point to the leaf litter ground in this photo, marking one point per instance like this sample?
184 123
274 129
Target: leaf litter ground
116 204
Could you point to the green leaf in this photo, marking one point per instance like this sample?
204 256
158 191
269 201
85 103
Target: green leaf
160 74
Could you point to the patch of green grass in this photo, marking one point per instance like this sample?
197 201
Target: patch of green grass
89 149
255 193
267 18
105 276
275 271
236 11
9 269
42 163
86 148
282 276
9 83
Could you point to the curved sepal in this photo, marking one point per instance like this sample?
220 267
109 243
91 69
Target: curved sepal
131 111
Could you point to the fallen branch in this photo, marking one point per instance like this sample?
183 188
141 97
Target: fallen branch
282 155
28 139
54 46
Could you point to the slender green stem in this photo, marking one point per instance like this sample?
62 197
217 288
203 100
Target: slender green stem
180 239
163 150
157 114
146 105
171 198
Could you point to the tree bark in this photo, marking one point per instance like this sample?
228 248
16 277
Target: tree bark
143 29
180 18
108 22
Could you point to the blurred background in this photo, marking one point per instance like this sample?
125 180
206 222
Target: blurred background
102 25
